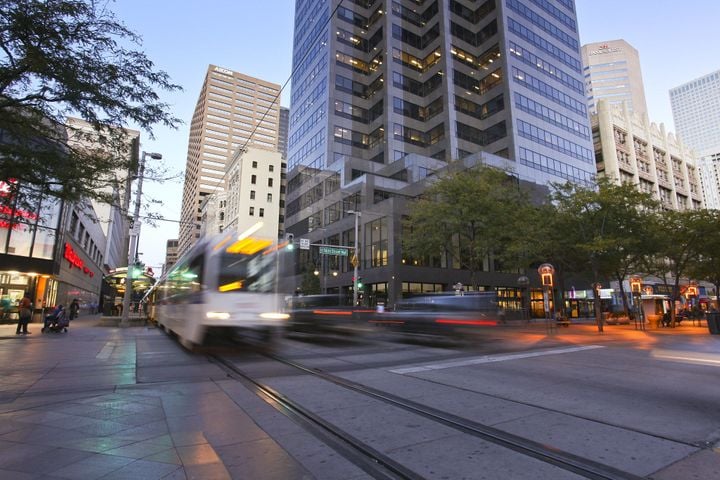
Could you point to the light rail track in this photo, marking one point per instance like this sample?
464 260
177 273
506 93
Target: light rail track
382 466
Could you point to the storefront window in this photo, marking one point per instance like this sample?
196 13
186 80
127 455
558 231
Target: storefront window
49 214
21 240
44 243
3 238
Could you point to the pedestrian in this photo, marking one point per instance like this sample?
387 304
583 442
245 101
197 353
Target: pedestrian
54 318
24 315
74 309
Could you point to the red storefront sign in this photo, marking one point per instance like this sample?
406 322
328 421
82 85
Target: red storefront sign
75 260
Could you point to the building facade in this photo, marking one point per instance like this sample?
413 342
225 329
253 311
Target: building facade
696 113
709 167
630 149
253 192
233 111
612 73
386 93
171 254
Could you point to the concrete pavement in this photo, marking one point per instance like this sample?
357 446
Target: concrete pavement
102 402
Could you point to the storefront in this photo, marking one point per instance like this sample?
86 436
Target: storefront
41 255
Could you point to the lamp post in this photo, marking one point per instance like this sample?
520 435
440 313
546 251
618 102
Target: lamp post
356 258
546 272
598 307
636 289
134 234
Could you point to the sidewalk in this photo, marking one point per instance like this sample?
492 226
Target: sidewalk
112 403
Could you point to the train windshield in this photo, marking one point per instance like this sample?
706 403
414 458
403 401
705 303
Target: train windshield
247 273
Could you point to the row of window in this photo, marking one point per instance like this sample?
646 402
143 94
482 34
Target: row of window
312 144
483 61
353 112
555 142
541 22
358 89
481 137
416 137
547 91
481 112
478 86
472 16
410 110
551 116
474 39
77 231
549 69
316 117
531 37
417 19
414 40
420 64
555 167
301 86
557 13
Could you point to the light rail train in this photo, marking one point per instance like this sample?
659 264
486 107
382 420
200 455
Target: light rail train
225 287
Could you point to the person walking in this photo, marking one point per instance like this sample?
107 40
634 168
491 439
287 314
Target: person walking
24 315
74 309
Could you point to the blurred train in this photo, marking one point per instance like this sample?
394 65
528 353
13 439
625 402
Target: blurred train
226 287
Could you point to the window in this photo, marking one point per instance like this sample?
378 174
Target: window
269 197
253 179
272 168
254 164
252 211
270 182
252 194
262 212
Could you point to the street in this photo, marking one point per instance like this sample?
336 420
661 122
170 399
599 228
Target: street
516 402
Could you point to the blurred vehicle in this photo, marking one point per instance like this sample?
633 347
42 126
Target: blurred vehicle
323 314
444 314
224 287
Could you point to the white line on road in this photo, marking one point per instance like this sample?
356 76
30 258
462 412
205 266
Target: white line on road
492 359
106 351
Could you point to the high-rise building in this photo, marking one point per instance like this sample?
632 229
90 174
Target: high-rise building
709 166
696 113
612 73
385 93
283 131
171 254
233 111
629 149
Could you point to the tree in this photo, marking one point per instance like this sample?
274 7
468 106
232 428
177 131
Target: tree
678 241
467 215
62 58
601 229
707 265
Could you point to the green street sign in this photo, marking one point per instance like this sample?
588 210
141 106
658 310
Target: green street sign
334 251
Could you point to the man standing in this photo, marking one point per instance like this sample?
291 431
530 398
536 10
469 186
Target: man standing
24 315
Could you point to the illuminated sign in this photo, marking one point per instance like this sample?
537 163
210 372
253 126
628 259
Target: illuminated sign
75 260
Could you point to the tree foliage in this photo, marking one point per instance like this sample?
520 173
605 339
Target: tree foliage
61 58
467 215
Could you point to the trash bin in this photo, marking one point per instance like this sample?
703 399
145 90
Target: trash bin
713 322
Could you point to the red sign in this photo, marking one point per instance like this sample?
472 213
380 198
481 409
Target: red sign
76 261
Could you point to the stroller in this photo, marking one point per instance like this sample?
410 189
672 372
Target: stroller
57 321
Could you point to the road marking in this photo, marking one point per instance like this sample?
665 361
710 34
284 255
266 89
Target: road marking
106 351
492 359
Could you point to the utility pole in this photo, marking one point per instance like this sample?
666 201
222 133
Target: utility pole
356 257
134 234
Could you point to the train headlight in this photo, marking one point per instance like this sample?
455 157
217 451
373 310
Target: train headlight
217 315
275 316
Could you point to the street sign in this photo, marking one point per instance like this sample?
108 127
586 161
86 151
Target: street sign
354 261
334 251
304 244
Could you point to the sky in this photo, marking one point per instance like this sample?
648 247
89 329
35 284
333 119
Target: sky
676 42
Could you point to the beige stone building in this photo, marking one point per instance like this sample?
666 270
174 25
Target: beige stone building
628 148
234 111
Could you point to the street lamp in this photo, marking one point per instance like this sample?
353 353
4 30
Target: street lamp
636 289
546 272
356 258
134 235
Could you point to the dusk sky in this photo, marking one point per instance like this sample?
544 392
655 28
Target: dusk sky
676 42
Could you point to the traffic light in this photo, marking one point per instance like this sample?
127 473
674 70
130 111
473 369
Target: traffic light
135 270
291 241
359 283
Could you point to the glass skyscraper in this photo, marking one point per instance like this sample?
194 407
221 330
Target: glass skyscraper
386 92
696 113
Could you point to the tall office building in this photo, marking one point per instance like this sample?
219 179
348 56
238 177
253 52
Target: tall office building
696 113
612 72
709 166
232 111
283 131
385 93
